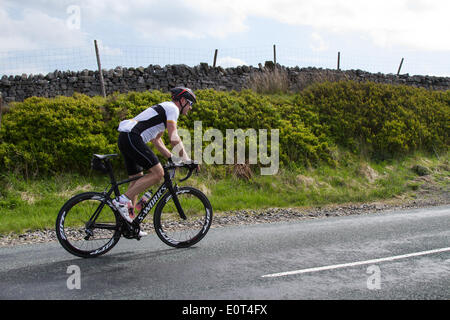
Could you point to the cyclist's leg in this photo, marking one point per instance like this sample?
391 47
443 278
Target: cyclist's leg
132 167
135 199
140 156
156 174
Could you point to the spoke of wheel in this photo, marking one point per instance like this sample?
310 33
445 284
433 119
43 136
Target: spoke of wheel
76 220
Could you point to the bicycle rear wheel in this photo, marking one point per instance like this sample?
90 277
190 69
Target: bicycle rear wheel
81 236
172 229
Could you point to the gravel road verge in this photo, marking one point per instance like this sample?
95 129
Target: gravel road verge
240 217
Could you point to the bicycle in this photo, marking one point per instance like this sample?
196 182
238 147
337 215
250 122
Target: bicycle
88 225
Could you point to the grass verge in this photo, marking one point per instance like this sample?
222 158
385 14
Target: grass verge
34 203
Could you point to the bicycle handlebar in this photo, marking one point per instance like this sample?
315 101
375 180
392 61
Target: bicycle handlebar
191 166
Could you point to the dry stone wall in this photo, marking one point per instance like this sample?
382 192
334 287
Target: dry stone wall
203 76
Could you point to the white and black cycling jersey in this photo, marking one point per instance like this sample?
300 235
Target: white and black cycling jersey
150 122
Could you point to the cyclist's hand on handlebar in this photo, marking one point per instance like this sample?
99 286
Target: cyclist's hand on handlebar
185 162
194 165
176 160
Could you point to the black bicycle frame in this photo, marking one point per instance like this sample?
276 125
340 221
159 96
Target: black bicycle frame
167 185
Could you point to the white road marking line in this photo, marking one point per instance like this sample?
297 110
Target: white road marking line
352 264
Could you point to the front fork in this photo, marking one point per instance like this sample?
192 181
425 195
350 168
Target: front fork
173 191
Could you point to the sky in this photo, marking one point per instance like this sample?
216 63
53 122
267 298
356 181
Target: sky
39 36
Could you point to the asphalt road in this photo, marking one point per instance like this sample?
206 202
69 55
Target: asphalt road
378 256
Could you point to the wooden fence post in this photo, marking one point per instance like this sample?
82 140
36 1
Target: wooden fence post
102 82
275 55
400 67
1 106
339 61
215 58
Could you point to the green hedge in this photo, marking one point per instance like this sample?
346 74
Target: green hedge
383 120
45 136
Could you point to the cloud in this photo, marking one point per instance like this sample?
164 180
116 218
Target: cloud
417 24
318 44
107 50
230 62
34 29
194 19
414 23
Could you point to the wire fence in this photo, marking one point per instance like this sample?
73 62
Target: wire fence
80 58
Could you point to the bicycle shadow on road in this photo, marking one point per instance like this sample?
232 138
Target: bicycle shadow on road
49 279
112 262
128 256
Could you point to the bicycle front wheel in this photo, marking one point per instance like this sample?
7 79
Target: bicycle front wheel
175 231
86 226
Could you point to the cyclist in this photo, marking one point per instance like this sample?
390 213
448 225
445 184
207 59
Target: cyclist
149 126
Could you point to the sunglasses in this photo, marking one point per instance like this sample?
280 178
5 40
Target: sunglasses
190 102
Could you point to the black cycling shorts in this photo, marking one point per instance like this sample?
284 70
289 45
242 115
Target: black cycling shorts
137 155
